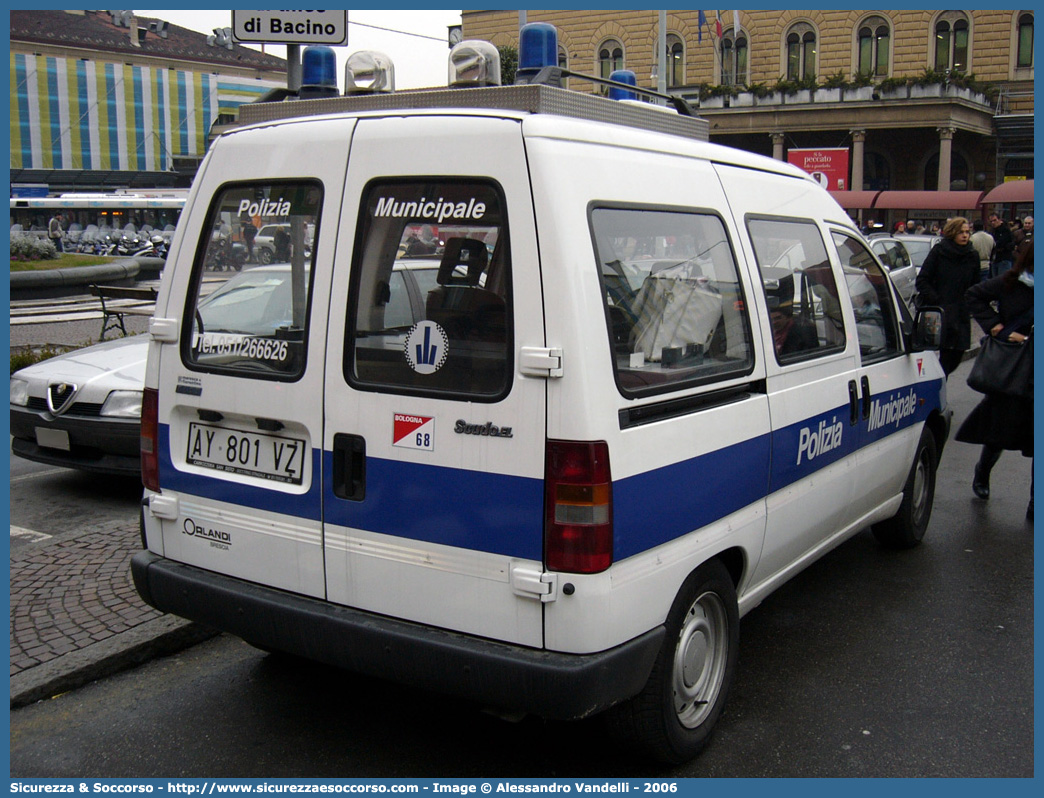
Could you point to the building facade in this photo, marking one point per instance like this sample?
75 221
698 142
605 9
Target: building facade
923 100
103 99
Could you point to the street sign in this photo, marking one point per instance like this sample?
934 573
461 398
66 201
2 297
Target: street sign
290 27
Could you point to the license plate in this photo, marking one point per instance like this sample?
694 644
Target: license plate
253 454
53 438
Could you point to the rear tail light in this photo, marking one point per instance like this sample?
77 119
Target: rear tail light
150 439
578 524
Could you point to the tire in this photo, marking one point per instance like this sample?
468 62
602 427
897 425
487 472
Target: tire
906 528
672 718
264 256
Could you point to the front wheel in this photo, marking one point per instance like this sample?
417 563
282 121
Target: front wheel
906 528
672 718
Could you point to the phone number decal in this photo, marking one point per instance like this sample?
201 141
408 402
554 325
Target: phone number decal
243 346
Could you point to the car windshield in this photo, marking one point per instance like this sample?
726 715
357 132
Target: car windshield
255 302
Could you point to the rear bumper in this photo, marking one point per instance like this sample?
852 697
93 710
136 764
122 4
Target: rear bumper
500 675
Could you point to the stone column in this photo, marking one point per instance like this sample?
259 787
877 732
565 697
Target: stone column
945 156
777 144
858 140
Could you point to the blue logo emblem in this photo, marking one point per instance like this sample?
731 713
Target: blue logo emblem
426 347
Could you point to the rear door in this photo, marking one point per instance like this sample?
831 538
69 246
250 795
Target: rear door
434 442
242 360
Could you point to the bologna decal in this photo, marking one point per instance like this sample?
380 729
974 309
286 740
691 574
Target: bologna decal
414 432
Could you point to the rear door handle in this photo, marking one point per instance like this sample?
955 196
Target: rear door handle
866 396
853 402
349 467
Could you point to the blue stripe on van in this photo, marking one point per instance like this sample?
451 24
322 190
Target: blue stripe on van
660 505
495 513
504 514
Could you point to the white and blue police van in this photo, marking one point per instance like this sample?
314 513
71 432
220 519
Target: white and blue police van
541 395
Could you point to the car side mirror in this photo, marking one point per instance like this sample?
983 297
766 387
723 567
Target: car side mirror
928 327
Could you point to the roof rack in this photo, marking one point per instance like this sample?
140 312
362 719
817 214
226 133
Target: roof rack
535 98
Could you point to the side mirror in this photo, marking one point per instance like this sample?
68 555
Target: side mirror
928 326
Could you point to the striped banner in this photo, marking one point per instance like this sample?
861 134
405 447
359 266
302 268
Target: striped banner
73 114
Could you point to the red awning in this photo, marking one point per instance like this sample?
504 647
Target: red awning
929 200
855 200
1012 191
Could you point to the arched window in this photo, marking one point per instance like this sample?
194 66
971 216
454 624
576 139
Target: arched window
959 172
610 58
877 174
874 45
675 61
1024 57
952 41
733 58
801 52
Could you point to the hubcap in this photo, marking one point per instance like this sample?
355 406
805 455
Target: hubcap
699 659
920 488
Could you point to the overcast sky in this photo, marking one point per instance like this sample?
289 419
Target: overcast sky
415 40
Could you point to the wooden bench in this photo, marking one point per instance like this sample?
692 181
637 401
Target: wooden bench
118 301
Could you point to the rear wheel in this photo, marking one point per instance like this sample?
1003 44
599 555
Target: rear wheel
672 718
907 527
264 256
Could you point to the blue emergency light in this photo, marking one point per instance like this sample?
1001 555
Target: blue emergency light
318 73
537 48
618 92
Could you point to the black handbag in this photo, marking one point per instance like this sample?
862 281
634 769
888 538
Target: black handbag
1003 367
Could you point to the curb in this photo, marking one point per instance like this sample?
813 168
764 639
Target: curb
160 637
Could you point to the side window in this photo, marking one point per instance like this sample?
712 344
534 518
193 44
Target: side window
868 290
674 305
247 318
430 302
800 290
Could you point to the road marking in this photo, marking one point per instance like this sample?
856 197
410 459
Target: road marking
36 474
22 532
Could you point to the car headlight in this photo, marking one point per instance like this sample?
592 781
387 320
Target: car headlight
19 393
123 404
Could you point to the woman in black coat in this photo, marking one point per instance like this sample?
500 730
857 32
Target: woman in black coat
951 268
1002 306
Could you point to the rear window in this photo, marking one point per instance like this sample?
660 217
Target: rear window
673 301
430 299
249 315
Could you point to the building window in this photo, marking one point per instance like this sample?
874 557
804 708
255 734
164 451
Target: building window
610 58
1025 45
801 52
959 173
952 41
874 44
733 58
675 61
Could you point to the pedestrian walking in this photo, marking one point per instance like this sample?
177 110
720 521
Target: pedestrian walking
1004 247
56 231
984 244
1003 307
949 270
1023 235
